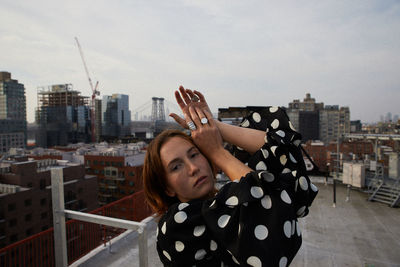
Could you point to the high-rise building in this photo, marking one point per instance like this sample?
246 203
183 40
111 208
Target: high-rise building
318 122
116 116
63 116
13 132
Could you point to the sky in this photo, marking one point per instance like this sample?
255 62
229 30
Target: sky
238 53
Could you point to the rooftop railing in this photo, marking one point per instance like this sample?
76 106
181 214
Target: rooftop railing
70 240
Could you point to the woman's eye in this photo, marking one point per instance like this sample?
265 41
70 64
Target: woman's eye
175 167
195 154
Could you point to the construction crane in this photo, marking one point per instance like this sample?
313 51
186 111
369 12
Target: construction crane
94 93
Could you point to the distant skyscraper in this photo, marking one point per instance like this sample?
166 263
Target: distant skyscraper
314 121
396 118
12 113
63 116
116 119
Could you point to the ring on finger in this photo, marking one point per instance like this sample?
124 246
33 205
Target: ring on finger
204 121
191 126
195 98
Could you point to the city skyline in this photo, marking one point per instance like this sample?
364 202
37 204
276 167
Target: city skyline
237 53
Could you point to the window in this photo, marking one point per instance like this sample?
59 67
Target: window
28 202
43 202
28 217
13 238
42 183
131 183
45 227
131 174
12 222
95 162
88 162
12 206
43 215
29 232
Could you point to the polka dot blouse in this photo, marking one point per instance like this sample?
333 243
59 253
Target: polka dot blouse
251 221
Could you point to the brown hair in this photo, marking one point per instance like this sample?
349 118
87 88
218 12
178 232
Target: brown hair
154 177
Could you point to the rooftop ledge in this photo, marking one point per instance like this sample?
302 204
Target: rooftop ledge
355 233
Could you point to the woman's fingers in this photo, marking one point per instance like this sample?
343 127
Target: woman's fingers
185 96
179 120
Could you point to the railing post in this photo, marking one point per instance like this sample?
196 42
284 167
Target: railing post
143 260
60 239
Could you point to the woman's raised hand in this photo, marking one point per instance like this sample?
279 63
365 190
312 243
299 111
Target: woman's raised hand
187 98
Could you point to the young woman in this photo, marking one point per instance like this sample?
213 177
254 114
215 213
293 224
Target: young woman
251 221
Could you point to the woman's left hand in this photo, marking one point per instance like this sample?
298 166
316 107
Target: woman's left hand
187 98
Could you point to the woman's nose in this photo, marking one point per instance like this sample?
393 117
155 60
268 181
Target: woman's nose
193 168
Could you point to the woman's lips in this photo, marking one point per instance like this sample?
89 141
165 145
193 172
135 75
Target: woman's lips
200 180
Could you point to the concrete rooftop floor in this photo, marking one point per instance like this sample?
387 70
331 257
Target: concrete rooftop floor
354 233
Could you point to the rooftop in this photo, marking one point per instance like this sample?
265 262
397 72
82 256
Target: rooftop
354 233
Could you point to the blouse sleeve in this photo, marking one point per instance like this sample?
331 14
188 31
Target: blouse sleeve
255 218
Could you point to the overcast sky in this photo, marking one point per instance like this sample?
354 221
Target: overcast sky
238 53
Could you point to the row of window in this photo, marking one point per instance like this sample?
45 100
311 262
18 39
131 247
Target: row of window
28 217
106 163
27 203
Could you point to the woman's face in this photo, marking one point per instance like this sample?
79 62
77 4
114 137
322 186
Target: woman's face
188 173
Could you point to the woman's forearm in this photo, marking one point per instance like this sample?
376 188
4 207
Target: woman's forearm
249 139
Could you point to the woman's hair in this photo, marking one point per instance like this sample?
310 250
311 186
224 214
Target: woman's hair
154 176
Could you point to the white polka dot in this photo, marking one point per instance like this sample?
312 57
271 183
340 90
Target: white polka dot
239 148
157 232
245 123
261 166
256 191
180 217
293 227
232 201
303 183
256 117
261 232
314 188
294 173
212 203
164 228
296 184
275 124
273 148
286 170
292 158
239 229
287 228
266 202
235 260
280 133
267 176
273 109
213 245
285 197
283 262
291 126
200 254
266 139
265 153
199 230
179 246
245 204
254 261
236 181
301 210
283 159
166 255
298 230
296 142
223 220
182 206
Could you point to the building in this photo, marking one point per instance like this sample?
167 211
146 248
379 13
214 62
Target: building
63 116
355 126
318 122
25 195
118 168
13 125
116 116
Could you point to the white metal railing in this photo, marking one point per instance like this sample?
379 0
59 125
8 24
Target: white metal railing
60 214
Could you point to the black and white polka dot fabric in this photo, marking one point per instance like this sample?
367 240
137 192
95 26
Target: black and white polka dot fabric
249 222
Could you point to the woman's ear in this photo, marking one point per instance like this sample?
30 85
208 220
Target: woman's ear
170 192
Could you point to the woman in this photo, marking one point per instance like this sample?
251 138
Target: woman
249 222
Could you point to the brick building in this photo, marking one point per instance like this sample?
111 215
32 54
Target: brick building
25 195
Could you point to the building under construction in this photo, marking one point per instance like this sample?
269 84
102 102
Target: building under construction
63 116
